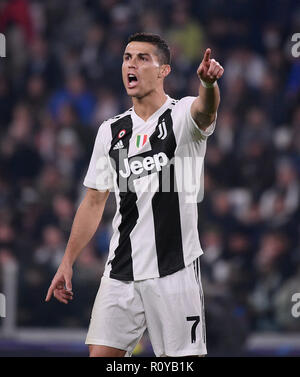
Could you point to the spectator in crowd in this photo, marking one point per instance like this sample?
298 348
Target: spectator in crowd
51 250
271 266
76 94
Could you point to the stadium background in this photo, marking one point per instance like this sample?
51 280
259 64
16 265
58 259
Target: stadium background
62 77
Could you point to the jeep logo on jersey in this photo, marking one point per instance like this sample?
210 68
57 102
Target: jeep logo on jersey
138 165
162 130
141 140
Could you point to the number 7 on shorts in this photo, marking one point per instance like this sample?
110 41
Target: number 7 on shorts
196 320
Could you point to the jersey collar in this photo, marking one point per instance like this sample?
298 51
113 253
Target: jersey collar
154 115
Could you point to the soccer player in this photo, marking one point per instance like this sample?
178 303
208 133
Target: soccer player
146 155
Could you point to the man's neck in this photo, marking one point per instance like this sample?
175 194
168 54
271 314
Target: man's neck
148 105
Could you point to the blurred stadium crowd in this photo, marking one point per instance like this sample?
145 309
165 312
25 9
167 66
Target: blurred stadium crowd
62 78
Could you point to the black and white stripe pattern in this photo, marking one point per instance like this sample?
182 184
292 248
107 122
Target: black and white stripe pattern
155 231
165 205
196 264
121 264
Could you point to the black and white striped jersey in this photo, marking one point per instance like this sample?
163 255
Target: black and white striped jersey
155 168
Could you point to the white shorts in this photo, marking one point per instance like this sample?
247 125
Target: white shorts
171 308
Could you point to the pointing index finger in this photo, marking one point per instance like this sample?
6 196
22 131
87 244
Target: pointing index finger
207 55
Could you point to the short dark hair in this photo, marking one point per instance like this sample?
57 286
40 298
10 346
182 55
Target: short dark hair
164 54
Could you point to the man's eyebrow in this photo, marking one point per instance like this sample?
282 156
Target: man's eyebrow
139 54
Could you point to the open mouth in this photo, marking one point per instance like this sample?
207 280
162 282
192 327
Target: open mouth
132 80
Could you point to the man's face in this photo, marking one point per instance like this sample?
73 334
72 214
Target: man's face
141 70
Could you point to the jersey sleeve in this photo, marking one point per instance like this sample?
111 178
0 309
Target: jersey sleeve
99 175
193 130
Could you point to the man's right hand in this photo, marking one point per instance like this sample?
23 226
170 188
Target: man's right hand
84 226
61 286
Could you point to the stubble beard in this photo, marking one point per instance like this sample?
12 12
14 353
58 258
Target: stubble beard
140 96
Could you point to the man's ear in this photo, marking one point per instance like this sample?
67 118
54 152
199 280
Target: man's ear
164 70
